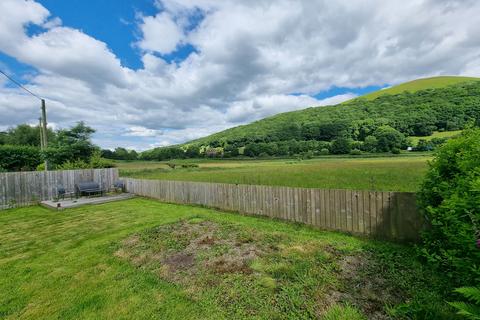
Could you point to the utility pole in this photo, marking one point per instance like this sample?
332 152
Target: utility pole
44 127
40 128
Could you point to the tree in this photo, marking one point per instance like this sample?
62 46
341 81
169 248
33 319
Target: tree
450 199
26 135
74 144
192 152
389 138
121 153
341 145
370 144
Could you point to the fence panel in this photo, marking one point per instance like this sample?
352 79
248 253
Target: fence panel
24 188
387 215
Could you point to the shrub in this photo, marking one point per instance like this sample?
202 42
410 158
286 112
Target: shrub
16 158
324 151
97 162
190 165
72 165
470 309
307 155
395 150
355 152
450 198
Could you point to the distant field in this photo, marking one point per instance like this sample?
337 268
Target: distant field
445 134
420 84
403 173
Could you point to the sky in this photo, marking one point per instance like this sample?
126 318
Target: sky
150 73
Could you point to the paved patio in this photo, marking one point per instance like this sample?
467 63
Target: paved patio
71 203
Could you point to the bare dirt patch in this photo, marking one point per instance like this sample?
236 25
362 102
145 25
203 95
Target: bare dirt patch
361 285
179 251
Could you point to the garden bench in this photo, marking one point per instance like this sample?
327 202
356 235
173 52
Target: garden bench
88 188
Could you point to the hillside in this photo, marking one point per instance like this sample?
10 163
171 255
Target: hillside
390 105
419 84
369 125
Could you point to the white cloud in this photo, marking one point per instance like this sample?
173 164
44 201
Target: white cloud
160 34
139 131
250 56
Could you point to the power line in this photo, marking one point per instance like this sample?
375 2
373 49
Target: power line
20 85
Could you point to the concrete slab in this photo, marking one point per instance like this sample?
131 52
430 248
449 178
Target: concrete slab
67 203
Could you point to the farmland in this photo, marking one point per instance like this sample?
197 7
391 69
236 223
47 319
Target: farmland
400 173
140 259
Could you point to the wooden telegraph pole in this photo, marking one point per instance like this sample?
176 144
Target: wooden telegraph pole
40 127
44 130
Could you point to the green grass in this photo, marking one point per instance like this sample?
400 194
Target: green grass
444 134
65 265
403 173
420 84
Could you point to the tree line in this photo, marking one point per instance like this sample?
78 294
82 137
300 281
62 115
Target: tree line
70 148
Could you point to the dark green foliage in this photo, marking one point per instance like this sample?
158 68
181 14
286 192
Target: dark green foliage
160 154
389 138
19 158
370 143
120 154
194 151
341 145
25 135
72 145
450 197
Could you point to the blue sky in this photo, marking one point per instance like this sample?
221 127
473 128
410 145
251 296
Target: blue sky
148 73
115 23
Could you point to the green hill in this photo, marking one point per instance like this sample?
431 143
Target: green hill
367 124
420 84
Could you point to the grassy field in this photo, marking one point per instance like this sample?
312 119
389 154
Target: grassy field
141 259
420 84
402 173
445 134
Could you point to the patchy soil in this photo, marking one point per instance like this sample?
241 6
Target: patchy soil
235 263
180 251
363 285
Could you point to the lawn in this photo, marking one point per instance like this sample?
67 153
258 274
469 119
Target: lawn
436 134
142 259
400 173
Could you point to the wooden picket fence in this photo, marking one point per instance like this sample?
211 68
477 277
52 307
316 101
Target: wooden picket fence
24 188
386 215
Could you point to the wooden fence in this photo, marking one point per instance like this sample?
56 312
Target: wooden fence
386 215
25 188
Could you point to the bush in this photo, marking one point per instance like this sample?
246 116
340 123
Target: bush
450 198
324 151
72 165
395 150
19 158
190 165
355 152
307 155
97 162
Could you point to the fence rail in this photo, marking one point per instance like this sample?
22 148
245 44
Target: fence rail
25 188
387 215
